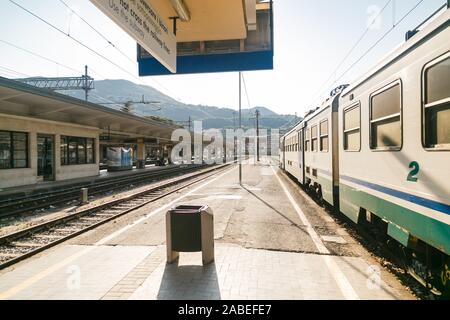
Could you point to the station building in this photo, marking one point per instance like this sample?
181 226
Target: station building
47 136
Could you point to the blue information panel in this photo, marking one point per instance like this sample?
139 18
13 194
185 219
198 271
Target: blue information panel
254 53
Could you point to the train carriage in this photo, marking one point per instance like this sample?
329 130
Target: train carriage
320 139
379 150
291 158
395 141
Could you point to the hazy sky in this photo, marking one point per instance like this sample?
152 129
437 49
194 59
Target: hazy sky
311 38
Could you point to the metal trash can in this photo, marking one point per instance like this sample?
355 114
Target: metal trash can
190 229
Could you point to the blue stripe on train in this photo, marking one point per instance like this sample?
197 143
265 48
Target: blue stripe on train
441 207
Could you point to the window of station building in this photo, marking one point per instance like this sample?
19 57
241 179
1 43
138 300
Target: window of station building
314 141
75 150
13 150
324 141
385 119
352 128
307 140
437 105
64 151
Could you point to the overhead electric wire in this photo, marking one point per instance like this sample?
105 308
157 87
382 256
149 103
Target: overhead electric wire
96 31
375 44
378 41
40 56
81 43
366 31
13 72
100 98
246 92
69 36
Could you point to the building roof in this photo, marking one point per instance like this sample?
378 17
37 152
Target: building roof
20 99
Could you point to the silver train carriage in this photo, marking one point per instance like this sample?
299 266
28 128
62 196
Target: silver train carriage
379 150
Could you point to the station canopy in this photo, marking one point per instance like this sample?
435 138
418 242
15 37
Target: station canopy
196 36
18 99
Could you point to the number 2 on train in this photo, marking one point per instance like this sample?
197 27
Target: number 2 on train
414 172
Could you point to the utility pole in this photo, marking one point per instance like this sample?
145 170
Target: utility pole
234 135
257 134
86 87
240 127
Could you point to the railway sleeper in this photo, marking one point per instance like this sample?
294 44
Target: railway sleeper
46 236
91 219
26 244
9 256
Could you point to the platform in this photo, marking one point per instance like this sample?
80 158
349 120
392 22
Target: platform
272 242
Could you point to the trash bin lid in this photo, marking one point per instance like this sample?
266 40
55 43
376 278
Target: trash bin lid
189 209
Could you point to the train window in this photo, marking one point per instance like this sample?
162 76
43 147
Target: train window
307 140
385 119
13 150
352 128
324 136
314 144
437 105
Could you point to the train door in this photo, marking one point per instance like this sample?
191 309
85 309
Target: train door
46 157
301 156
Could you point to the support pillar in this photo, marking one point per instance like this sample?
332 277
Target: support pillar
141 154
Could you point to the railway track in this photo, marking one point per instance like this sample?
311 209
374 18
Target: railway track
12 206
28 242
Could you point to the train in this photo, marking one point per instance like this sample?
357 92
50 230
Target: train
378 151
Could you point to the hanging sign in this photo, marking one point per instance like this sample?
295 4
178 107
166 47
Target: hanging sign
143 24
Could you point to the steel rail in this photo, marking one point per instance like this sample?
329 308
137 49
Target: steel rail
12 207
30 241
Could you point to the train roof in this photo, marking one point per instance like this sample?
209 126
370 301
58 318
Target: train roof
439 23
294 128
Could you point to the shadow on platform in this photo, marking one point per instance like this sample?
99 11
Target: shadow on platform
189 283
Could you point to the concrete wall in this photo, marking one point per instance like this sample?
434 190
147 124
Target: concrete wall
19 177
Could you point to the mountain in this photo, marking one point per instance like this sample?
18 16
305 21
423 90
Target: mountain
108 92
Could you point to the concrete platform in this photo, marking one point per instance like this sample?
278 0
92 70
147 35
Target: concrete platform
272 242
